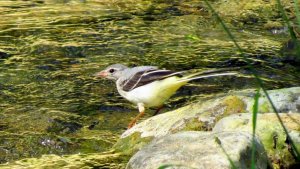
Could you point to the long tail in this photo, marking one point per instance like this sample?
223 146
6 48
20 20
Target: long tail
194 76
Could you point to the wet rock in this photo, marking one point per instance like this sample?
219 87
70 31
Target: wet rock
270 132
200 150
291 52
203 115
4 55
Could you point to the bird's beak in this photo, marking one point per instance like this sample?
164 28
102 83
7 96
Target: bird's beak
102 74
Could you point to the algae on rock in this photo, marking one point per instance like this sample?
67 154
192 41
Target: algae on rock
269 131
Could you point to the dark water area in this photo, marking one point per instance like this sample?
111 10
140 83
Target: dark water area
50 102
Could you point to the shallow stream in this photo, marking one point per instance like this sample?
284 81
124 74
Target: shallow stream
50 101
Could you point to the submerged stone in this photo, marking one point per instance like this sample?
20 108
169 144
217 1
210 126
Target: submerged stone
4 55
291 52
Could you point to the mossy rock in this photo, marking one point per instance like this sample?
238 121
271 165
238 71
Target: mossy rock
195 117
270 132
131 144
233 105
202 116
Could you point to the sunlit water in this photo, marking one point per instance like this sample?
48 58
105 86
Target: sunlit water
49 51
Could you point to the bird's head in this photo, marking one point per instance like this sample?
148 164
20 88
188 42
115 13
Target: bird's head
113 72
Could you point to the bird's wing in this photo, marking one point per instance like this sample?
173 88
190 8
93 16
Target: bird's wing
140 77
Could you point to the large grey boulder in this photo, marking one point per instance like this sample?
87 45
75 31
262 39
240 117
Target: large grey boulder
191 149
270 132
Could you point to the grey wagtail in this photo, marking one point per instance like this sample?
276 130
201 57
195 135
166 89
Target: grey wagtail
149 86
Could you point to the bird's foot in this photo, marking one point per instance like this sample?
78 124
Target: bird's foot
131 124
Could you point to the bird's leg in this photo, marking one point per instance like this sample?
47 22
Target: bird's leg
158 110
141 113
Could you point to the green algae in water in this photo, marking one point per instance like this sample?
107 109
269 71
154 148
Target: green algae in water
48 56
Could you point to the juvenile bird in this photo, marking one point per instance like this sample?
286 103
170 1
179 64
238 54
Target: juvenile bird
149 86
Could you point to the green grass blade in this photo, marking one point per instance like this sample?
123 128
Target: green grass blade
165 166
254 119
218 141
258 80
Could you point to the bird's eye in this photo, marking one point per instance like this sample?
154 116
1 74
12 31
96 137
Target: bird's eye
111 70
